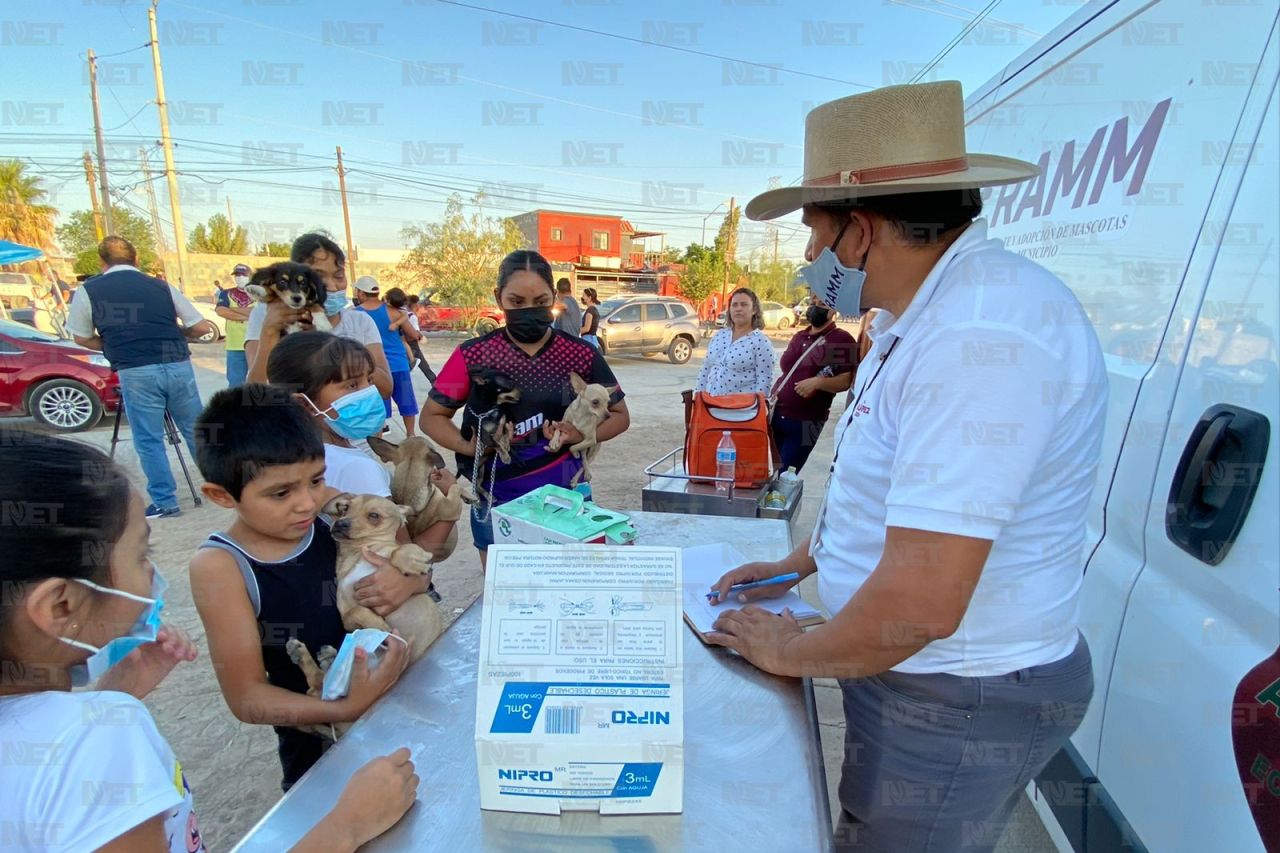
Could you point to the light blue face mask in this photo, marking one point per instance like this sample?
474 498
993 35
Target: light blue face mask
839 287
360 414
334 303
144 630
337 681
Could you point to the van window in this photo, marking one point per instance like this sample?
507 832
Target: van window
655 311
678 310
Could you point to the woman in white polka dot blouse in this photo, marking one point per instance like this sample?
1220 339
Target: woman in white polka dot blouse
739 358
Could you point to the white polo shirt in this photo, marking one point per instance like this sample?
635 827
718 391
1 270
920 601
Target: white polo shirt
985 421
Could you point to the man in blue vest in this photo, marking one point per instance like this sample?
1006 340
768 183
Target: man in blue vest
133 319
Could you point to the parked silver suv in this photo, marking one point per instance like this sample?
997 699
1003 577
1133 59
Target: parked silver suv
649 325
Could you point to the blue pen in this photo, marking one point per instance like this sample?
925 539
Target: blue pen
739 587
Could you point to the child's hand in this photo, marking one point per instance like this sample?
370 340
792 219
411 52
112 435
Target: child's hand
146 666
377 796
367 686
443 479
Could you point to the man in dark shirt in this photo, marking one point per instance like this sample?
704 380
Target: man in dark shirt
132 319
828 357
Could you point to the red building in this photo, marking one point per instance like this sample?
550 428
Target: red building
598 250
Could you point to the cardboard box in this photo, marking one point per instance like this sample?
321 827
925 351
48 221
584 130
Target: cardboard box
580 697
551 515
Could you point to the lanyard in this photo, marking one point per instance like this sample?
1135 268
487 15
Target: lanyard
853 411
854 408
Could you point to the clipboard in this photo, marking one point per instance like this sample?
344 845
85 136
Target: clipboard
704 564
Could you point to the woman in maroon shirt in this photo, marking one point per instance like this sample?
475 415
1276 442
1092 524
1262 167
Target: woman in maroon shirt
828 357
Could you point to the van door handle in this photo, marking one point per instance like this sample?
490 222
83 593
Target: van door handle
1216 480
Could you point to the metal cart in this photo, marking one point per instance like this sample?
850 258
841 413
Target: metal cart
671 489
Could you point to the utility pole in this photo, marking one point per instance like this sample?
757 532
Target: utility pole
97 133
771 228
170 173
151 201
730 250
230 219
93 197
346 217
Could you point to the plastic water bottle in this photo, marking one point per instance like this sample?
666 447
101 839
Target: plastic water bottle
726 462
788 480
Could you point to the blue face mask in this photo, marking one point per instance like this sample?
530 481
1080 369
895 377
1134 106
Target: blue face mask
360 414
839 287
334 303
144 631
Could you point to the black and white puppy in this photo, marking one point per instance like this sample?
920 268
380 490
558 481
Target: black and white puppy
296 285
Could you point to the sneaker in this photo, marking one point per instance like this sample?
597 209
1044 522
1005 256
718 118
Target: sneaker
156 511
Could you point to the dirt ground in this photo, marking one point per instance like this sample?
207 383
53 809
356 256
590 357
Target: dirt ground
232 767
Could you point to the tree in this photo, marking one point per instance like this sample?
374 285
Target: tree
774 280
78 237
218 238
24 217
703 275
275 250
456 258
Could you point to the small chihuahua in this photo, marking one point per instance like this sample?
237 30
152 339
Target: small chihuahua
360 521
493 393
297 285
587 411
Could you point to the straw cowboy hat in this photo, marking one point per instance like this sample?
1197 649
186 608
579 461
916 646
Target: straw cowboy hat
898 139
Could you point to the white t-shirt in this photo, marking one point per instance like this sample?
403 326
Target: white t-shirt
81 769
350 470
80 311
985 421
356 325
744 366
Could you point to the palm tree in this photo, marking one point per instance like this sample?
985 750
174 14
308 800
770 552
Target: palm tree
23 217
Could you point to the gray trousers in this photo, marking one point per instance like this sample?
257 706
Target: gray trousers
935 763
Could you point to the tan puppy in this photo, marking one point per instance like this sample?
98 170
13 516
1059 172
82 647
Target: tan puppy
368 520
414 459
587 411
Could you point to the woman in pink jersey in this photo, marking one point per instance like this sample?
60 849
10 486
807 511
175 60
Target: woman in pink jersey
539 360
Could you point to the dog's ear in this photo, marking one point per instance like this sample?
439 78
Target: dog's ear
406 513
316 291
338 506
434 458
259 286
579 384
386 451
612 389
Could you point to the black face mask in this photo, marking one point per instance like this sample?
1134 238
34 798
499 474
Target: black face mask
817 315
528 325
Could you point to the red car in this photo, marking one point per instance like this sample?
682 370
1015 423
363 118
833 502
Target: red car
63 386
434 317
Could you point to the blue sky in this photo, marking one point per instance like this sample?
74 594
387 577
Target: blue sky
426 97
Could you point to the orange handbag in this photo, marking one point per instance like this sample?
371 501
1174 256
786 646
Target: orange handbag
746 418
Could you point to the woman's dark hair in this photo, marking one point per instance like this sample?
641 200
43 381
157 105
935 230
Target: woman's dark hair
308 244
590 293
305 362
529 261
64 504
919 218
757 315
395 297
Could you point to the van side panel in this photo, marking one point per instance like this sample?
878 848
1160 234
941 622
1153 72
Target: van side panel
1193 629
1132 118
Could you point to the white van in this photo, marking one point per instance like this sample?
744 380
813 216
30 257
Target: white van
1156 127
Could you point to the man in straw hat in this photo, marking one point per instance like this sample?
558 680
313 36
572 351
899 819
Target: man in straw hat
949 546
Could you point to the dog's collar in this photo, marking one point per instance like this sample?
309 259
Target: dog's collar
482 415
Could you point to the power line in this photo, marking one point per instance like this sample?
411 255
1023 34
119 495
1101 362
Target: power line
634 40
977 19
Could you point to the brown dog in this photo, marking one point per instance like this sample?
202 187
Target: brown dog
360 521
587 411
414 459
